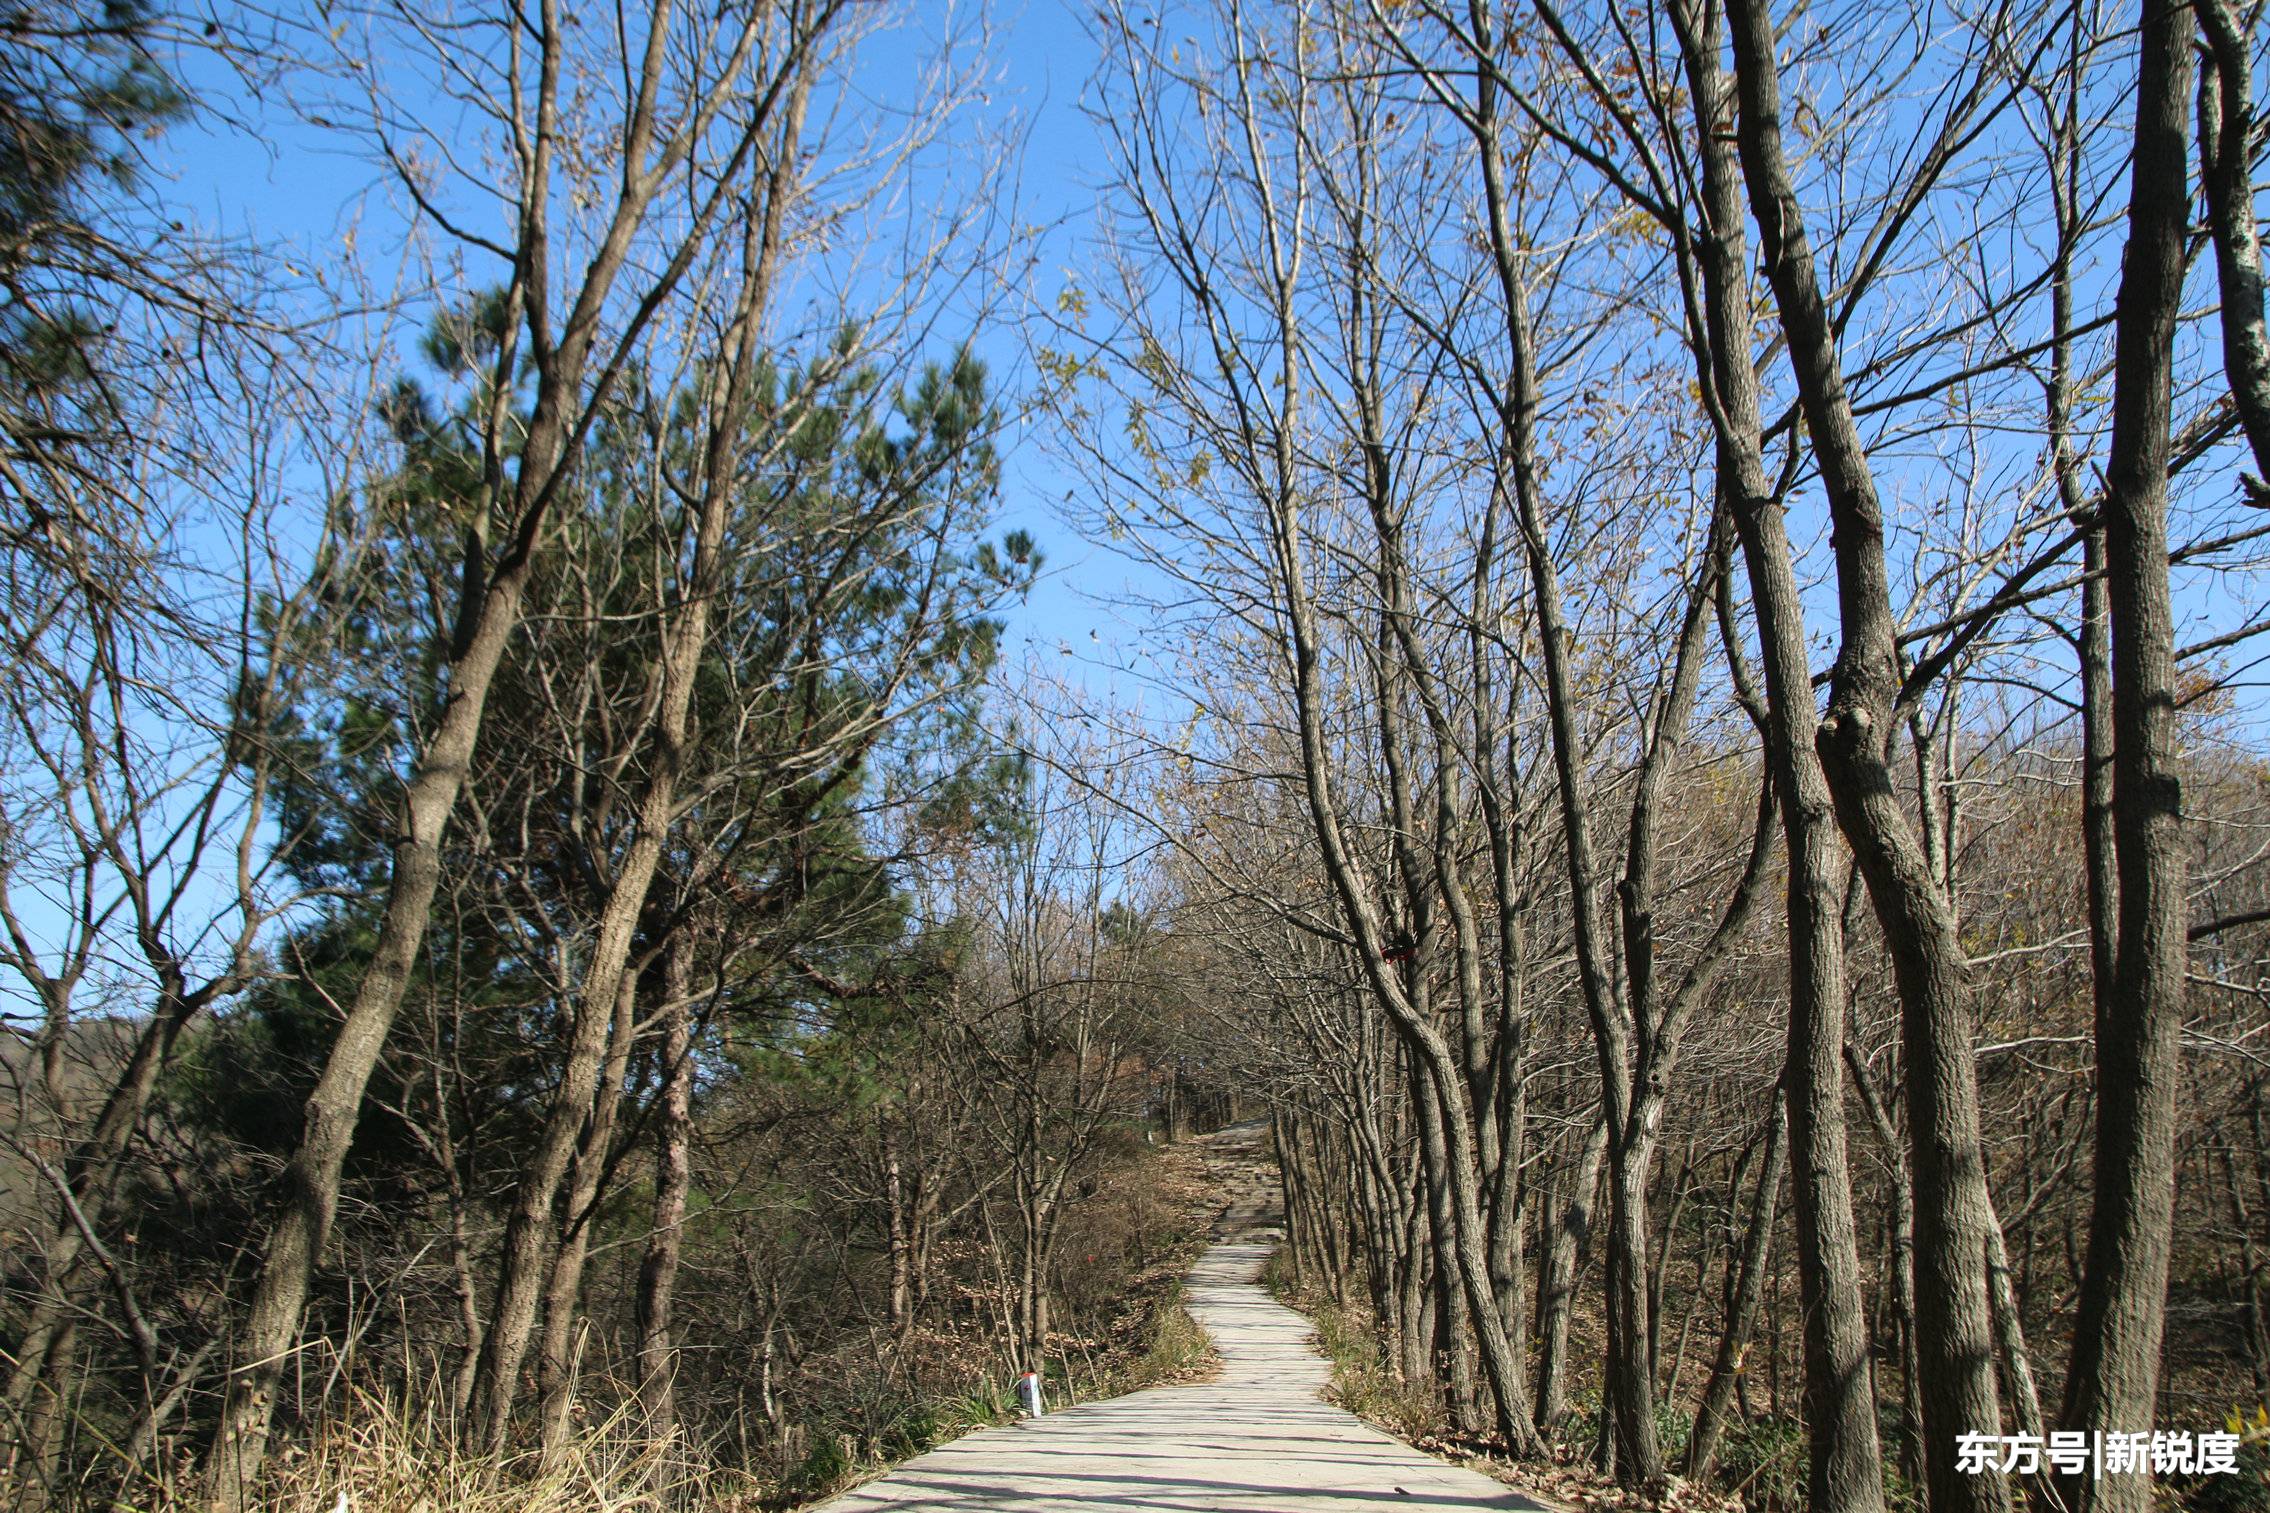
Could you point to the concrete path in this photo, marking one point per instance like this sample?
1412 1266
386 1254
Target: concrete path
1258 1439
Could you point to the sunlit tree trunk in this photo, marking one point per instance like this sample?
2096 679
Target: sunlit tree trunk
2112 1383
1954 1319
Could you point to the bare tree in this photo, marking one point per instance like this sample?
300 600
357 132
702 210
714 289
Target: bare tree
2112 1383
698 96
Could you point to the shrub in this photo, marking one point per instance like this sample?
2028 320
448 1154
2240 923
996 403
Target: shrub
1764 1461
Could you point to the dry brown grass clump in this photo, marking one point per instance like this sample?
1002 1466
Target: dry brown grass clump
386 1455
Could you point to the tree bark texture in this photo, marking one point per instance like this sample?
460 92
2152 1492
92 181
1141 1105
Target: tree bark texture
1955 1329
2113 1380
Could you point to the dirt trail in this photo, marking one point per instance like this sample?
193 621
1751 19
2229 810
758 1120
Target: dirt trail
1256 1439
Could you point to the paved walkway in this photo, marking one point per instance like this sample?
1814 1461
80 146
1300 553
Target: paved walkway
1257 1439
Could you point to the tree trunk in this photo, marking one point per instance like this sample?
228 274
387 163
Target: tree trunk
1411 1295
563 1291
1454 1361
2226 172
898 1231
1630 1385
1742 1316
35 1459
673 1178
2253 1326
2010 1334
269 1335
2113 1380
1556 1281
531 1232
1899 1224
1844 1471
1955 1332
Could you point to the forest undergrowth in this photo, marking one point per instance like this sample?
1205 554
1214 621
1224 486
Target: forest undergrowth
1759 1468
385 1444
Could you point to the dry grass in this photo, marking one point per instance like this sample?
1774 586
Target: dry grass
387 1456
1179 1351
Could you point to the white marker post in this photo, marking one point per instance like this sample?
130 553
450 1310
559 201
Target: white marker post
1028 1391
